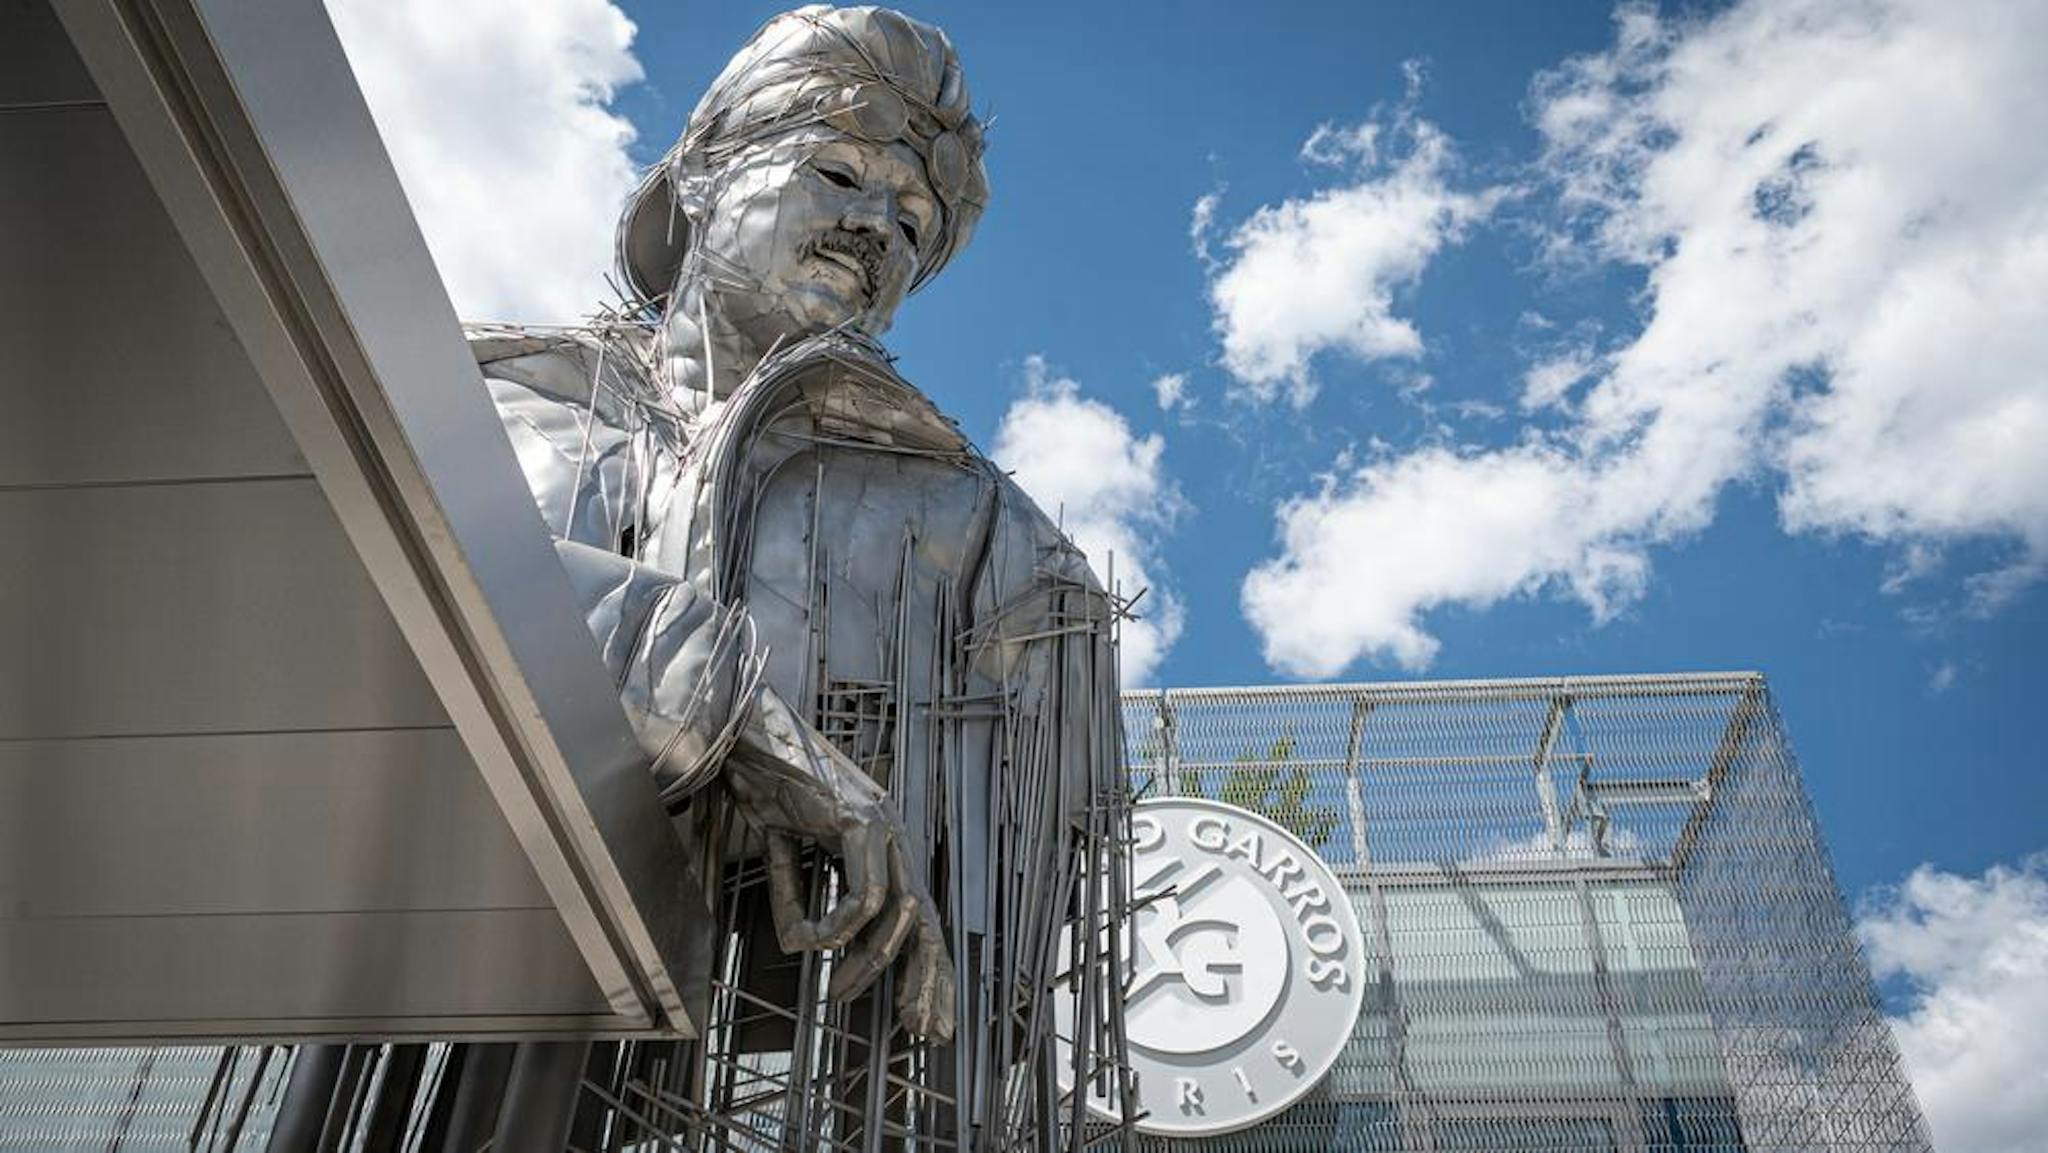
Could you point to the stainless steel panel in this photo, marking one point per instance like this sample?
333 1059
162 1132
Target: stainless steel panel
291 823
120 365
252 131
269 970
37 64
192 608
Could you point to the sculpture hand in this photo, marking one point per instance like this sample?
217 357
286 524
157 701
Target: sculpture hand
793 784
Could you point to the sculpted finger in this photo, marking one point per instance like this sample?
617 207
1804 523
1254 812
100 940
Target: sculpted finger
926 996
865 851
797 933
867 869
868 958
924 986
786 892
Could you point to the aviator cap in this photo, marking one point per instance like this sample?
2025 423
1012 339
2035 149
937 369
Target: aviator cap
871 74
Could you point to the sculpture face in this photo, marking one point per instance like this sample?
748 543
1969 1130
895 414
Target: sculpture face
814 230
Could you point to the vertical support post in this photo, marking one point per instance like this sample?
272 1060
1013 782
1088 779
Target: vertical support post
1629 1134
1629 1131
875 1108
587 1129
1418 1132
1169 746
303 1114
1546 789
341 1111
539 1103
1354 788
478 1093
388 1117
223 1074
233 1137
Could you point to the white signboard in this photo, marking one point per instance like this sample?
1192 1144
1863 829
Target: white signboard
1246 968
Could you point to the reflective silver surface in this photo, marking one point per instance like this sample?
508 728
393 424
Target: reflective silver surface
830 618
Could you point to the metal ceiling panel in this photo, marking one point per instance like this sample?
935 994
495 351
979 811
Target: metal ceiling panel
247 823
194 608
369 973
102 266
38 69
301 735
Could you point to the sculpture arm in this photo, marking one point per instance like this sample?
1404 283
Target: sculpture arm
681 662
687 673
677 659
684 673
791 781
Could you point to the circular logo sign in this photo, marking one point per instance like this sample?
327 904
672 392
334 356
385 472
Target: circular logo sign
1243 966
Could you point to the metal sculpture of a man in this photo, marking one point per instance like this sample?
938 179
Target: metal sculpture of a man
827 613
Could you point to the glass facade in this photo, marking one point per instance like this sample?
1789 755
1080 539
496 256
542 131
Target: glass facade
1597 915
1597 911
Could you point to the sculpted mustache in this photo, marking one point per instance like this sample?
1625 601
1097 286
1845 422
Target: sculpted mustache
860 246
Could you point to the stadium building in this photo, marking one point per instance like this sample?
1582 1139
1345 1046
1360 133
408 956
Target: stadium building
1597 913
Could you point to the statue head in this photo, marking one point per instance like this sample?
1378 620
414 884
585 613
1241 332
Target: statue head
832 168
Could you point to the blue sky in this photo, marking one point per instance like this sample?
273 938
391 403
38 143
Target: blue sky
1579 341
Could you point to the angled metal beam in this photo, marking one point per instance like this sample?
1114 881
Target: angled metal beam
1748 708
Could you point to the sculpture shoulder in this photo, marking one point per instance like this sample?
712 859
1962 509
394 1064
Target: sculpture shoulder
586 423
1029 531
562 364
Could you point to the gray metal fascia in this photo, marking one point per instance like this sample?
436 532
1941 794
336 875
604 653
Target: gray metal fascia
248 121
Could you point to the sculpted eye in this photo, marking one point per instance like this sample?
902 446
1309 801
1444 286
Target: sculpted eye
909 228
838 177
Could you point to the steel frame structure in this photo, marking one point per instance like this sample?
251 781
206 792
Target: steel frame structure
1598 911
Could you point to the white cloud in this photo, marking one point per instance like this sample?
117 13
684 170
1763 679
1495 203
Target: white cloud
1201 219
1838 212
502 135
1974 951
1549 381
1079 459
1171 390
1335 145
1943 678
1366 555
1317 274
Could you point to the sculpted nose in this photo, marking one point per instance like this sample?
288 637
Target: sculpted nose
873 211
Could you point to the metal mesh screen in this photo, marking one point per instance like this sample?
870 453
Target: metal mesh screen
139 1099
1598 913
